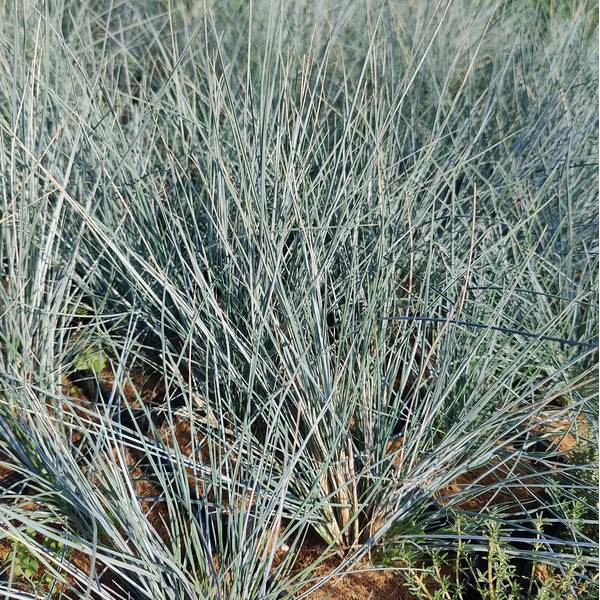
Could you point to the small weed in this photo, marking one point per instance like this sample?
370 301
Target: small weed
492 574
91 359
26 565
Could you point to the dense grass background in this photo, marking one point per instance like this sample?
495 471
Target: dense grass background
354 244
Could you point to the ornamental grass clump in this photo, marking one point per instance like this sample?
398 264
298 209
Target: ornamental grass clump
352 251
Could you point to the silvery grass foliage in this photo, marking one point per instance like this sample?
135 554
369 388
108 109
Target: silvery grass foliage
357 241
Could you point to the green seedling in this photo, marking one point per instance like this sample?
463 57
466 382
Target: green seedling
91 359
26 565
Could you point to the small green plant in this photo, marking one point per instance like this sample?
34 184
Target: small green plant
433 574
25 564
498 580
78 310
91 359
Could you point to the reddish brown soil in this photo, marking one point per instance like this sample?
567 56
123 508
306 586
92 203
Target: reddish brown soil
364 582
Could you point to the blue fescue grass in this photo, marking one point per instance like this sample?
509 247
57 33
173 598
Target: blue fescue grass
356 242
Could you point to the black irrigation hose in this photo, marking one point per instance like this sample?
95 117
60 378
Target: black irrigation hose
507 330
498 288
